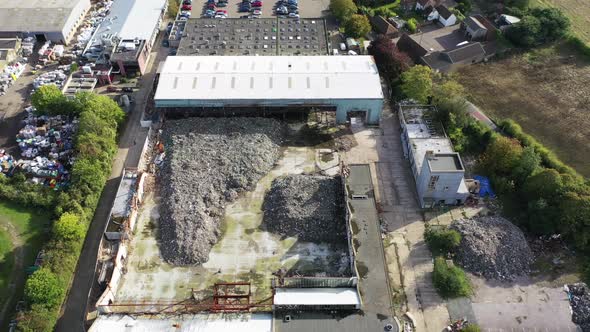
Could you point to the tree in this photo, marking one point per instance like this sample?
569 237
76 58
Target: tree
412 25
173 6
48 99
38 319
442 241
449 281
390 60
529 162
501 155
554 24
68 228
520 4
546 184
526 32
343 9
417 83
575 218
74 67
103 106
464 6
43 288
357 26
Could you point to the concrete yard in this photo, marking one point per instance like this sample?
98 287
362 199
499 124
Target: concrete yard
243 253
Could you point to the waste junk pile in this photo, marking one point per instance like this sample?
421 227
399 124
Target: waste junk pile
492 247
47 147
57 77
93 19
7 162
579 297
308 207
208 162
27 46
9 75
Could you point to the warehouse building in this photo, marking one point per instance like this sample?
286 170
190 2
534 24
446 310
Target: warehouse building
230 85
437 168
55 20
126 36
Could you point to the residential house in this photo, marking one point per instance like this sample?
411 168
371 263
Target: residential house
443 15
448 61
425 4
382 26
444 49
477 27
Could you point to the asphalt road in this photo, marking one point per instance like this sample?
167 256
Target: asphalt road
74 311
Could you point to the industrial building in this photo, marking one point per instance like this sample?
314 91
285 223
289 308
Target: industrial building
9 51
126 36
55 20
265 36
262 85
437 168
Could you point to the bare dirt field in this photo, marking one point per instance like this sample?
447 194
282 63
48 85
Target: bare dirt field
577 10
546 91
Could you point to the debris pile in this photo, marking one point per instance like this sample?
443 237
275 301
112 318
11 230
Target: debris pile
493 247
9 75
579 296
208 162
309 207
57 77
46 144
7 162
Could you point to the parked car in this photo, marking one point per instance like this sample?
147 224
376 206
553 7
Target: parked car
282 10
222 4
244 8
187 7
112 88
211 1
127 89
187 2
221 16
293 15
245 16
257 3
293 11
185 13
221 12
257 12
210 6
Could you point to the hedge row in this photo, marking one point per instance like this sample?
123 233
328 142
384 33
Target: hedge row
548 158
578 44
96 146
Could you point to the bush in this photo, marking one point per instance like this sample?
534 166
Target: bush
412 25
471 328
68 228
442 241
541 25
450 281
343 9
357 26
579 45
39 319
43 288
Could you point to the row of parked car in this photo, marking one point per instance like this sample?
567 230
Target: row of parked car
287 7
212 9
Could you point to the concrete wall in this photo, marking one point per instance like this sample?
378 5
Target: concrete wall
373 107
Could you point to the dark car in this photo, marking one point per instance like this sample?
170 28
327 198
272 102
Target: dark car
187 7
127 89
211 6
245 16
221 4
187 2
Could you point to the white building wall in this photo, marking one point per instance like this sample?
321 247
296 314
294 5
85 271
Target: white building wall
448 22
446 186
76 17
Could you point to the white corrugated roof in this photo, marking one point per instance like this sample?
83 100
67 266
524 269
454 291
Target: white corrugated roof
316 296
130 19
184 323
269 77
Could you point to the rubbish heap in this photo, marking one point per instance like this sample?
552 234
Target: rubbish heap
57 77
92 21
7 162
9 75
208 162
27 46
492 247
579 296
308 207
47 148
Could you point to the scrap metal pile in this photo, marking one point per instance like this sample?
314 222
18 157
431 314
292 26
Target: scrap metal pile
9 75
208 162
492 247
579 296
308 207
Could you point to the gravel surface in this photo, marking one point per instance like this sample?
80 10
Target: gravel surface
209 161
309 207
580 303
493 247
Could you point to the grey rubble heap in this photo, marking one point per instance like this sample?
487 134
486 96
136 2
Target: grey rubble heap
209 162
309 207
493 247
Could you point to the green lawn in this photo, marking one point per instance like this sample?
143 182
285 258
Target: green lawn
31 227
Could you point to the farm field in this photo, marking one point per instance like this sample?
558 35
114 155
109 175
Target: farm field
577 10
546 91
21 237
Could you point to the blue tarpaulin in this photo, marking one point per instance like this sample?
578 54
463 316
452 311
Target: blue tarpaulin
485 188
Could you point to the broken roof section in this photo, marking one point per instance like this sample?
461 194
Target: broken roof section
317 296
